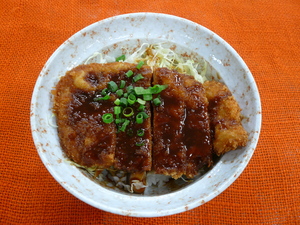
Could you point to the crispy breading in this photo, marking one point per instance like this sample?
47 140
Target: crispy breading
225 118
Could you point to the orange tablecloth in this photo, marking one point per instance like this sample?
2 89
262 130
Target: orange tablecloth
265 33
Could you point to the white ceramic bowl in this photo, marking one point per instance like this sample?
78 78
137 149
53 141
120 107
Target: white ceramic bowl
129 31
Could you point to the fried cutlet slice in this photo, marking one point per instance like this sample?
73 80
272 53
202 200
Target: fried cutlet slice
225 118
197 128
133 150
180 126
83 135
169 150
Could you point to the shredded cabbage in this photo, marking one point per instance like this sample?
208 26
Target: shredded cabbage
155 55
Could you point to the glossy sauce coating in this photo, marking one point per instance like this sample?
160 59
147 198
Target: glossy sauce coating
181 126
196 130
133 152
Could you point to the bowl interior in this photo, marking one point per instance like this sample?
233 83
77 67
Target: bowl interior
110 38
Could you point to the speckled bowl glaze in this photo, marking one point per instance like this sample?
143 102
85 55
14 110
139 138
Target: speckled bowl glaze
128 32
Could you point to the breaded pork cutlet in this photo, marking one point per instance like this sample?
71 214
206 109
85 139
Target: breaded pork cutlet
134 151
84 136
169 151
196 127
225 118
181 134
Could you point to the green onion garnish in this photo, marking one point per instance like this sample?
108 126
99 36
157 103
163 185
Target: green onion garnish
147 97
125 95
137 77
129 73
141 101
107 118
106 97
156 89
140 132
112 86
131 99
122 84
119 120
141 108
140 64
117 101
117 110
140 144
128 111
123 102
124 125
139 118
122 57
104 91
129 89
119 92
141 91
157 101
145 115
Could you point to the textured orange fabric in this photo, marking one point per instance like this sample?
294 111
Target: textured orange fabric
265 33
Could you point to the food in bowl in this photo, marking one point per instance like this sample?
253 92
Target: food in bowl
125 120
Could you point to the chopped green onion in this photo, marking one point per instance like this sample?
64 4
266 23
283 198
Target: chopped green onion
140 64
128 111
129 73
141 101
141 91
145 115
106 97
157 101
124 125
140 144
107 118
137 77
117 110
125 95
122 57
131 99
157 88
147 97
119 120
112 86
104 91
117 101
122 84
123 102
119 92
140 132
129 89
139 118
141 108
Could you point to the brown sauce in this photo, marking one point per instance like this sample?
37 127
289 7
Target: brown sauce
133 152
169 151
181 127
